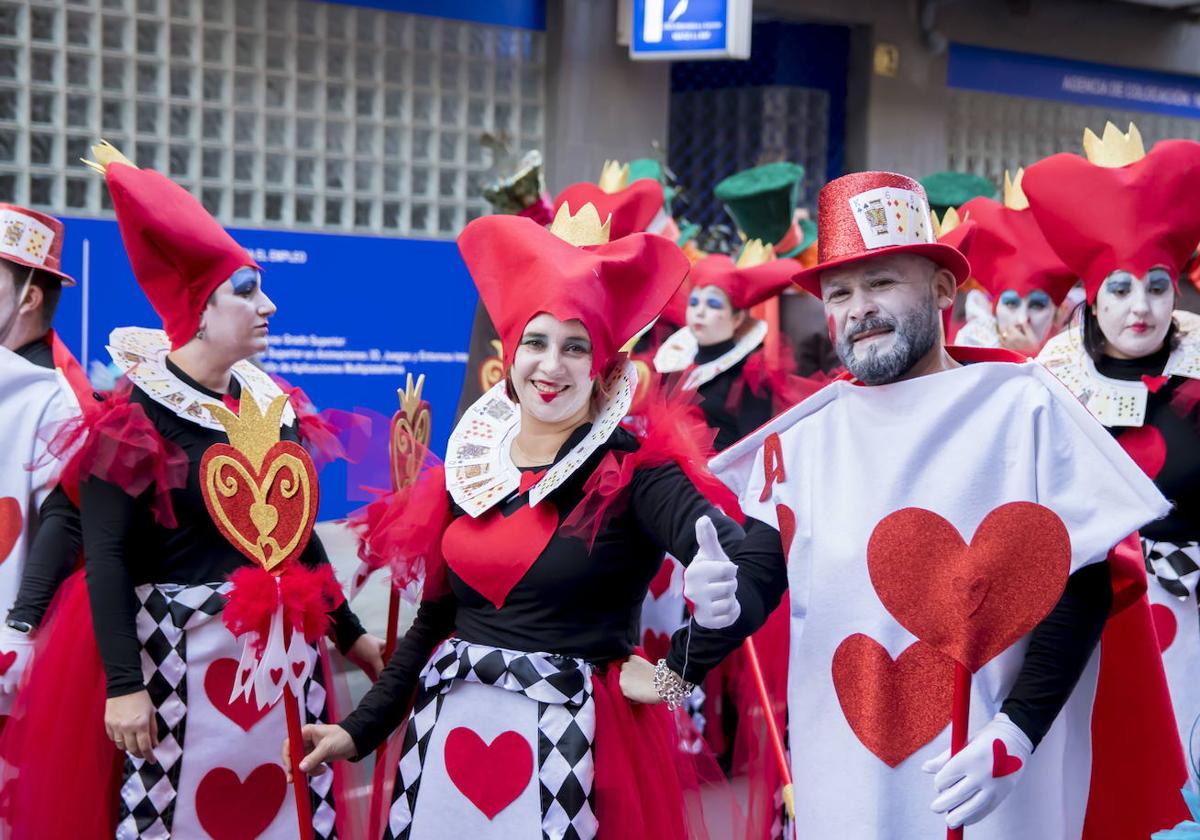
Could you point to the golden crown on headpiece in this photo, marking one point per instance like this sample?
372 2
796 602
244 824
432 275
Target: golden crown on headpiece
755 253
613 176
949 221
582 228
1014 195
1114 149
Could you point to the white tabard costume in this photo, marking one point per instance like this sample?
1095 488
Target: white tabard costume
957 444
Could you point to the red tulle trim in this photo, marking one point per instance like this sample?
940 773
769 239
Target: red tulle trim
403 530
329 435
308 595
646 788
117 443
671 429
1186 398
61 774
775 374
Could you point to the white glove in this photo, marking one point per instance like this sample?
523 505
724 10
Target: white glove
973 783
710 580
15 649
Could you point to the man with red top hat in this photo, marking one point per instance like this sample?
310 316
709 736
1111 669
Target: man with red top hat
935 516
39 524
1024 278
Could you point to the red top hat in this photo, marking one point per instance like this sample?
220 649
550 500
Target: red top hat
179 253
745 286
870 214
615 289
632 209
1131 218
33 240
1009 252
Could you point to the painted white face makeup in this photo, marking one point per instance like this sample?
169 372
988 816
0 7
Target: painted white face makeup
1134 313
1032 314
710 316
235 319
552 369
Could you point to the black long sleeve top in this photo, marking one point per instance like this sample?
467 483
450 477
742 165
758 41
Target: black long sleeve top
126 547
731 422
1059 647
1179 478
572 601
58 541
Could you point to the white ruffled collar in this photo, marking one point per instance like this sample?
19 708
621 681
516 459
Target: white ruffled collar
1117 402
141 354
479 470
679 352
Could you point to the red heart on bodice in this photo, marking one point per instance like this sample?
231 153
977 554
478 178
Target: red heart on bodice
268 512
1146 446
662 580
491 775
894 707
1165 625
7 658
493 552
218 683
970 601
655 645
230 809
10 525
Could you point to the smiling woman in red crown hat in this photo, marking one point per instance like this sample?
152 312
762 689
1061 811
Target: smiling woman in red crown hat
205 584
536 544
1127 222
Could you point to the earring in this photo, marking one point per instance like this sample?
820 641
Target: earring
200 334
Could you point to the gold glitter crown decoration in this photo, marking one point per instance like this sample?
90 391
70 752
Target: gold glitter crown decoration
1014 195
613 176
1114 149
754 253
410 395
250 431
581 229
106 153
949 221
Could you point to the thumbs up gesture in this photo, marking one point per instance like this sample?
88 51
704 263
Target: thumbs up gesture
710 580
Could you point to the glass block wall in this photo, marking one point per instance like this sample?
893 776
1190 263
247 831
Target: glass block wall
275 113
987 133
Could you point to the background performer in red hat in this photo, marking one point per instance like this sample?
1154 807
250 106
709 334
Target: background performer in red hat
1134 361
150 694
937 515
537 542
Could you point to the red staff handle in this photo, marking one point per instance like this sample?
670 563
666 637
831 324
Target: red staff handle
785 770
960 715
379 778
295 753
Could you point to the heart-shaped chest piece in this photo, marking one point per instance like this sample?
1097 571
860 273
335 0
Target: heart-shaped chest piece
970 601
492 552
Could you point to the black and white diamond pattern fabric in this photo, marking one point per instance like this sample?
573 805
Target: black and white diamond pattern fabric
320 787
165 613
562 688
1176 566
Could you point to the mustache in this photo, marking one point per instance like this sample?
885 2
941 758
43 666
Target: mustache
876 323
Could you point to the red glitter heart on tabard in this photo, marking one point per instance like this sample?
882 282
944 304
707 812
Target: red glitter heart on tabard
10 525
971 602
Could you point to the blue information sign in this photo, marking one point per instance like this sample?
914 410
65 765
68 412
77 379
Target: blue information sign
356 314
678 29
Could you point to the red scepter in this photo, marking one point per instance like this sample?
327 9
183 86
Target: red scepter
785 770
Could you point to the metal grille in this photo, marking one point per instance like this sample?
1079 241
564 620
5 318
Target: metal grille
987 133
717 132
276 113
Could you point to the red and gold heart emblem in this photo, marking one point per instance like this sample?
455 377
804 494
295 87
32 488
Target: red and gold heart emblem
411 427
261 492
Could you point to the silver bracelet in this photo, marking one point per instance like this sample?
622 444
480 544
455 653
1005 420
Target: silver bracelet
671 687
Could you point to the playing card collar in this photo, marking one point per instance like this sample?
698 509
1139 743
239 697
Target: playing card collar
679 351
141 354
1117 402
479 470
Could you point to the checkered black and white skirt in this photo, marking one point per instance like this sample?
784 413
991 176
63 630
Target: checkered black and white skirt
1173 570
499 745
218 771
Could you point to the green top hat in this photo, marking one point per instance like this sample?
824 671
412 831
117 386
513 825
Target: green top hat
762 200
954 189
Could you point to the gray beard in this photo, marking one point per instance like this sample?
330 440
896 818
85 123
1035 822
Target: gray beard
915 336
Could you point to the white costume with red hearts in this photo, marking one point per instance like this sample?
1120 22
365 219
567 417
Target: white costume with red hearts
955 445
